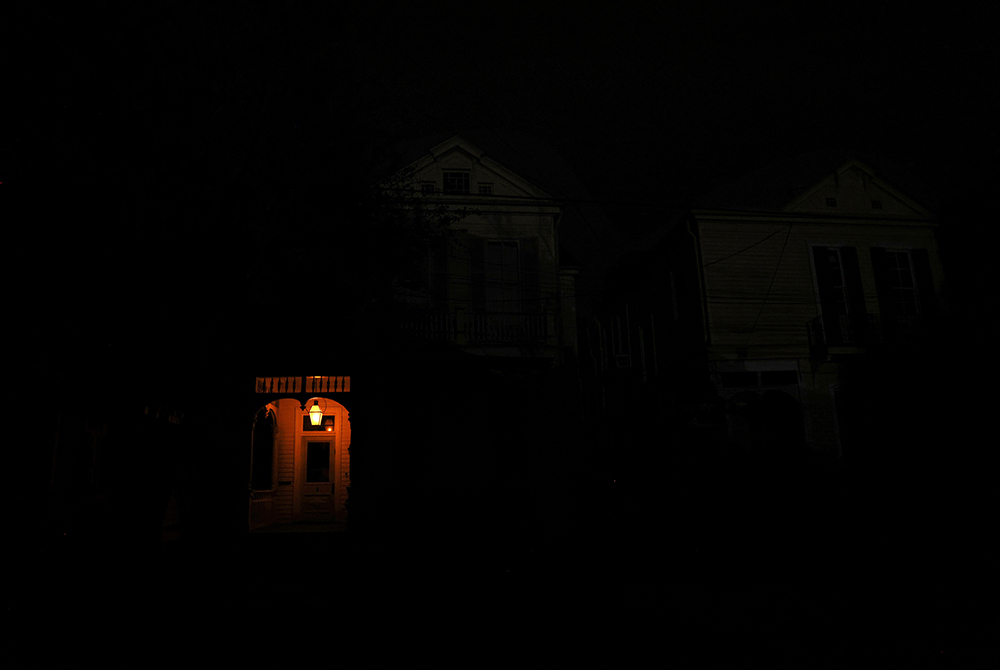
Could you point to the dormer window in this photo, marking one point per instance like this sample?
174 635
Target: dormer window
456 182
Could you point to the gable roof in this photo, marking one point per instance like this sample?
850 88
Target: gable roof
587 237
458 152
786 185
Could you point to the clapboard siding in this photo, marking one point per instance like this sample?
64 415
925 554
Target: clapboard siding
761 271
344 456
284 495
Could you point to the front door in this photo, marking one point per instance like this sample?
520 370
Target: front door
318 459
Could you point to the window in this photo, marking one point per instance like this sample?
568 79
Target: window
326 425
876 204
905 286
427 189
831 202
317 462
502 274
456 182
485 189
831 269
841 295
896 281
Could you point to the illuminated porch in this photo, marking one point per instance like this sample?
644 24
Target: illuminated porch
299 464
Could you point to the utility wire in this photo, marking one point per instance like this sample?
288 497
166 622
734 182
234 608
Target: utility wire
725 258
764 302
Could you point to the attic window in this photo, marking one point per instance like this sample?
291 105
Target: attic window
485 189
456 182
427 189
831 202
876 204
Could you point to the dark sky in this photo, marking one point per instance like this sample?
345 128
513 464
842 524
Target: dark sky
656 102
134 132
659 101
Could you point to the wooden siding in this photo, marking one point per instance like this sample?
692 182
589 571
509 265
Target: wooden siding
745 283
344 465
284 495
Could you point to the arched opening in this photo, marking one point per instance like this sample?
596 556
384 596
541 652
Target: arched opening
300 465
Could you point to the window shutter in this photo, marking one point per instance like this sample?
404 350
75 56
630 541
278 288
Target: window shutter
852 281
531 298
925 281
477 267
824 279
439 275
880 265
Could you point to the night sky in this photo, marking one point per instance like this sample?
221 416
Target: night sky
138 131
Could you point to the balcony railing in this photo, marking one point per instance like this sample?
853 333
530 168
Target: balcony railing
508 328
460 327
430 327
303 384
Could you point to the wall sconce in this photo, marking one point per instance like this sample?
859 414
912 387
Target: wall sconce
315 413
328 425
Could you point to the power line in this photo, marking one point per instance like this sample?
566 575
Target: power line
764 302
725 258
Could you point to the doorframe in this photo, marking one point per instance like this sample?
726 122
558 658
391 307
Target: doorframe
301 439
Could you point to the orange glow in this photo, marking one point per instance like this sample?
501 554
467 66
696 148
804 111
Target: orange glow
315 413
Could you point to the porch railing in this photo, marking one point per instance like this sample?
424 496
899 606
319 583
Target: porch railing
303 384
430 326
508 328
261 508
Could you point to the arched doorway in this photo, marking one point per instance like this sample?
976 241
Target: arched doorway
300 470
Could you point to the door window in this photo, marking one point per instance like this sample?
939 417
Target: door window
317 462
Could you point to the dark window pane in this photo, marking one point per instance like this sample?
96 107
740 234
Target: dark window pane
456 182
318 462
324 424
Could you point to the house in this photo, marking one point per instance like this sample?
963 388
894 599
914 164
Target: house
498 286
475 357
758 316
